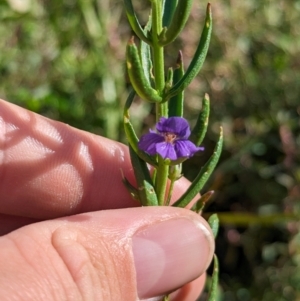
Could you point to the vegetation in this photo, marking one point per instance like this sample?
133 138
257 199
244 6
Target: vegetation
65 60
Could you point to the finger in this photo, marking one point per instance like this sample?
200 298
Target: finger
49 169
106 255
9 223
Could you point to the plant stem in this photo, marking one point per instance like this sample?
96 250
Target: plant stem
161 109
165 298
158 57
161 181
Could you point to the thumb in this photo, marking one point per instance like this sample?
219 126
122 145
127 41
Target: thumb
123 254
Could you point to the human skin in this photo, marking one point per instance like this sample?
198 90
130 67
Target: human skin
71 231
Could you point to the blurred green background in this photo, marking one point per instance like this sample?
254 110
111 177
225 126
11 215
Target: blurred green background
65 60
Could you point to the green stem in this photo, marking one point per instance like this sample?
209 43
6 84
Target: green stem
161 109
161 181
158 57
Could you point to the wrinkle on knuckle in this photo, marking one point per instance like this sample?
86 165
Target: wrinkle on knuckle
87 273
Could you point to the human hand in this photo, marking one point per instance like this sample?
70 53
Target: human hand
56 185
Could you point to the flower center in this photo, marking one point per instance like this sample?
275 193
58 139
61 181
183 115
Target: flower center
169 137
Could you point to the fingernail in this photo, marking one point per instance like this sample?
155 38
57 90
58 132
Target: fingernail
169 254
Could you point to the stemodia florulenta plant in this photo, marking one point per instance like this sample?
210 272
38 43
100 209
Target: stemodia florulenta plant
172 142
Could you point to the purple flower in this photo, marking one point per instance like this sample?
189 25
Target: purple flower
171 141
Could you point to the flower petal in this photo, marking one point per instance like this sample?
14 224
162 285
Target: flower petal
166 150
176 125
148 143
186 148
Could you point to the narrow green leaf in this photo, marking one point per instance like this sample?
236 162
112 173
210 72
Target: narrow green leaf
213 290
199 131
134 22
200 204
176 102
131 189
203 175
213 222
137 75
147 194
130 132
169 7
145 51
169 79
198 58
180 16
247 219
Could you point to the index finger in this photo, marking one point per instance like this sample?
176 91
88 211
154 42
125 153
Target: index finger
49 169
